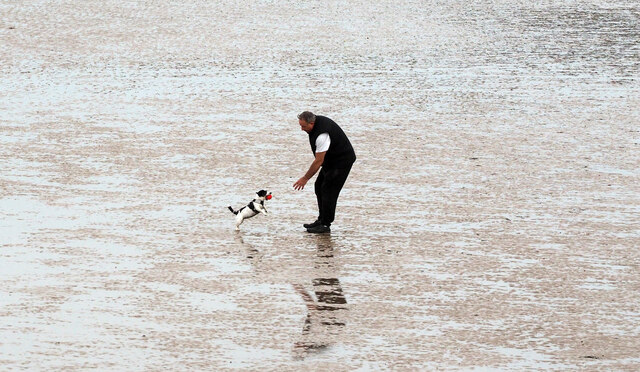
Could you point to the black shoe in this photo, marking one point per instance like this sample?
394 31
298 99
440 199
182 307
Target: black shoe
312 224
320 229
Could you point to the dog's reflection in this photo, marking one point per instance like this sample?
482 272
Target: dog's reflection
254 255
326 303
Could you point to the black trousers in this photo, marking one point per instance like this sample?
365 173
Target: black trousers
328 186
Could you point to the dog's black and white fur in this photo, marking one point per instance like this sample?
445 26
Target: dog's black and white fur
252 209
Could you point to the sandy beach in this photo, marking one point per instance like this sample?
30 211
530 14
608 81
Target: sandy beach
490 223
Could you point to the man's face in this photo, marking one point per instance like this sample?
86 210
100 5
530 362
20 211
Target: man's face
307 127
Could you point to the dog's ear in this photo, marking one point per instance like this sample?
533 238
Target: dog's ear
262 193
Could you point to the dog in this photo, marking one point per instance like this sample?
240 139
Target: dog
253 208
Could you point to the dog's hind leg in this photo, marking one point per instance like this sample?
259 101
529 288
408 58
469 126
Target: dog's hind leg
239 220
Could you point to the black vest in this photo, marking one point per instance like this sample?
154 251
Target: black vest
340 153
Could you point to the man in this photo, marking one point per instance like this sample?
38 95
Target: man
334 153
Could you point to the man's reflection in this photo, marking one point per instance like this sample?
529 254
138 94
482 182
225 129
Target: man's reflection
326 304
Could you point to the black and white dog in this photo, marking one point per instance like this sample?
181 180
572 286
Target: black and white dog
253 208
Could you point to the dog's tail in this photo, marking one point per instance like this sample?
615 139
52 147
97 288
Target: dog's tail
232 211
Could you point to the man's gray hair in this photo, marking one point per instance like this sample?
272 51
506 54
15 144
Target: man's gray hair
307 116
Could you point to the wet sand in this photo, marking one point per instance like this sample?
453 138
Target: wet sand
491 221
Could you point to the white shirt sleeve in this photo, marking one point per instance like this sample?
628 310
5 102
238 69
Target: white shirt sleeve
323 142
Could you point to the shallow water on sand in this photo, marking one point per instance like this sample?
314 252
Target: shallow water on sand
491 220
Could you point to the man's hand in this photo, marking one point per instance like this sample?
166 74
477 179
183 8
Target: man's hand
299 185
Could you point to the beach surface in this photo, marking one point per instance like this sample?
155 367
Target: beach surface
491 221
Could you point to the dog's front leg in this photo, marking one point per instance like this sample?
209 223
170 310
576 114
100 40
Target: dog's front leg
262 209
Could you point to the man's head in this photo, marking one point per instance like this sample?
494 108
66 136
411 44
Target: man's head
306 120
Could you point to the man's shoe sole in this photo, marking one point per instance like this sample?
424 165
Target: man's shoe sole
314 230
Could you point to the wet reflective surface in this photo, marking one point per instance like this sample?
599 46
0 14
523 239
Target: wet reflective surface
490 222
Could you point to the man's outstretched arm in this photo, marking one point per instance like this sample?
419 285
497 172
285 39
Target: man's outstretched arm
313 169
